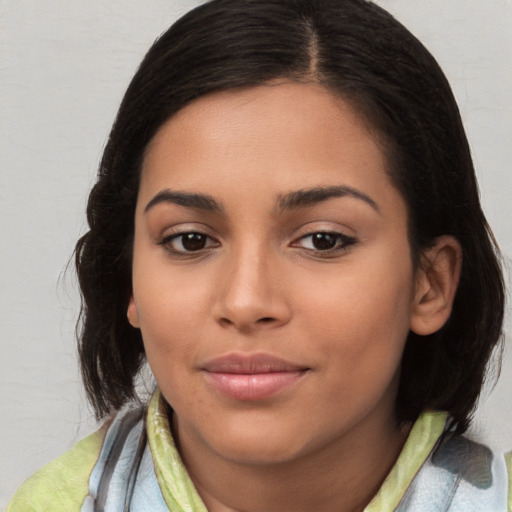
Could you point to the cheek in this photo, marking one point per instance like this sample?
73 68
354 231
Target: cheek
172 322
362 312
171 309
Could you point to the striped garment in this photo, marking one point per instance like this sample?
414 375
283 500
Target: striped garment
132 464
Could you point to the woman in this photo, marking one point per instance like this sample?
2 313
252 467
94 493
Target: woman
286 225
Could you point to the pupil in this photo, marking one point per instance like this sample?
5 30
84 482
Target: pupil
193 241
324 241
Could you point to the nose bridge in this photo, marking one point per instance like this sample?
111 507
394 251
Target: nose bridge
251 293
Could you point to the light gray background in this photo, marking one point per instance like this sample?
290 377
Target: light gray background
64 66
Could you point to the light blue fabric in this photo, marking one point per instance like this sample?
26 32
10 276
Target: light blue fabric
459 476
114 482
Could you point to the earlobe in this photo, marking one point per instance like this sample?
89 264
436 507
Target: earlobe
436 283
132 314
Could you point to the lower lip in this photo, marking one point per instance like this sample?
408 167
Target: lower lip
254 386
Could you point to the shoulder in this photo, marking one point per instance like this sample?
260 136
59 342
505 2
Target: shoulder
63 483
461 475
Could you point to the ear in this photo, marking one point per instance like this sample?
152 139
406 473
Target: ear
436 283
133 316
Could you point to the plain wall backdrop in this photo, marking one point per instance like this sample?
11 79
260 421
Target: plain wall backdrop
64 66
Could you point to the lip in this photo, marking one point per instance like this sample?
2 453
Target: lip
251 377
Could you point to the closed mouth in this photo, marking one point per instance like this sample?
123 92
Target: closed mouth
251 377
246 364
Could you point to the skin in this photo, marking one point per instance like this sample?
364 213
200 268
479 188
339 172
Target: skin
258 285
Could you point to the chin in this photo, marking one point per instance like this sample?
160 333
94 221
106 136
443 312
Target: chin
253 442
260 452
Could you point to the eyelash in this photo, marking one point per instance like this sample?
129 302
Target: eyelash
342 243
167 241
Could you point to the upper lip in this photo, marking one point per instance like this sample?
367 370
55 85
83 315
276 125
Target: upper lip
239 363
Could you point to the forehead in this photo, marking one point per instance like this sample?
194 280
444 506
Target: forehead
277 137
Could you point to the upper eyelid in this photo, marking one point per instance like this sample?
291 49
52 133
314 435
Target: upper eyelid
170 236
323 226
327 232
186 227
305 229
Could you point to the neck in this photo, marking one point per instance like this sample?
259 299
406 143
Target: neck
343 476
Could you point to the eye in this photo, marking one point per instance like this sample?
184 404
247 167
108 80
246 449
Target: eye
325 241
189 242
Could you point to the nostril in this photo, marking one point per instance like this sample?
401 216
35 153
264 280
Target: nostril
266 320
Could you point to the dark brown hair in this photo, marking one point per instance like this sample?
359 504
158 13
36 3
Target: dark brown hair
360 52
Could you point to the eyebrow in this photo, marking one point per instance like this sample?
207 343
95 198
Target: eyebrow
187 199
296 199
311 196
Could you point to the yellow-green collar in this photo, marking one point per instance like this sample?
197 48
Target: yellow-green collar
420 443
180 494
177 489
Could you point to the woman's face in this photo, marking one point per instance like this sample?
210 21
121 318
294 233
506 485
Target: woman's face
272 278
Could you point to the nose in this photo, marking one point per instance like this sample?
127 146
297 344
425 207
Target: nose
252 293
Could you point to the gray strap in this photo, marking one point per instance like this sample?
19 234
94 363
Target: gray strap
135 469
129 421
